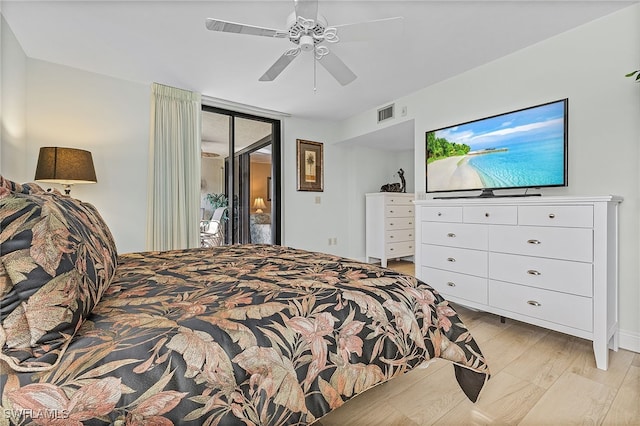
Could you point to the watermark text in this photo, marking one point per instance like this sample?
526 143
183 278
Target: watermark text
45 413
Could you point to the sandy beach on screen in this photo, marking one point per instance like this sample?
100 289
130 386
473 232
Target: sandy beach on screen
452 173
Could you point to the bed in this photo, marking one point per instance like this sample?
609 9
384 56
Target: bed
245 334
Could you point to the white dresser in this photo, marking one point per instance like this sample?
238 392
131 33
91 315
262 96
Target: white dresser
548 261
390 226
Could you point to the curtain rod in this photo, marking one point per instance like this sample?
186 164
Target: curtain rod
239 107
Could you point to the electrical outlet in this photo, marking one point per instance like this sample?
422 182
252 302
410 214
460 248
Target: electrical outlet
334 241
403 111
318 199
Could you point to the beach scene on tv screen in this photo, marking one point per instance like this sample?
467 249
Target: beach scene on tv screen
519 149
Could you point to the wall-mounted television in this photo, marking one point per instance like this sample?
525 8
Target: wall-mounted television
526 148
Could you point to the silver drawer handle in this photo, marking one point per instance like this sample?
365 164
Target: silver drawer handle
551 215
410 246
410 211
390 211
450 284
451 235
391 223
534 242
534 303
411 235
439 214
450 259
391 249
410 223
390 236
486 214
533 272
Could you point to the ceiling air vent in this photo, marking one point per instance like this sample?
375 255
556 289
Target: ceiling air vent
385 113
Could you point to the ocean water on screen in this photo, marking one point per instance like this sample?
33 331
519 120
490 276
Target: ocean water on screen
525 163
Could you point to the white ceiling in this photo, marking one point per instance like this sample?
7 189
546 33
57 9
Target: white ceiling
166 42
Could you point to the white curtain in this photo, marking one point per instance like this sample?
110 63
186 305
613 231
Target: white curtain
174 169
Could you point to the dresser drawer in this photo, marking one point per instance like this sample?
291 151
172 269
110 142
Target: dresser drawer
455 235
402 248
467 287
393 223
551 274
556 243
499 215
466 261
399 199
399 235
566 216
560 308
400 210
442 214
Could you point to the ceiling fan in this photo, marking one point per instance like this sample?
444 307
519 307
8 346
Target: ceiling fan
309 32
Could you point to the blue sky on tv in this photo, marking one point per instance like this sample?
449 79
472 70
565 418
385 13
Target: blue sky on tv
529 125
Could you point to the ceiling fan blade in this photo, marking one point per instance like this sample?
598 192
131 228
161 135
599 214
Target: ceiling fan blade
279 66
308 9
234 27
362 31
337 68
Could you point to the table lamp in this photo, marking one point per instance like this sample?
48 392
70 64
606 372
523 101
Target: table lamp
259 204
65 166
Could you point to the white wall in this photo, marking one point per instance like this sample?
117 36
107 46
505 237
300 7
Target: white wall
45 104
367 170
110 118
350 171
587 65
13 95
307 224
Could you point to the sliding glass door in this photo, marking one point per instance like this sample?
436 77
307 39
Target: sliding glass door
240 170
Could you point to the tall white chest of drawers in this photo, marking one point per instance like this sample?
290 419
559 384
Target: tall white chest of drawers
390 226
548 261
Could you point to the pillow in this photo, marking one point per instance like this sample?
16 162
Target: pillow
260 218
59 257
25 188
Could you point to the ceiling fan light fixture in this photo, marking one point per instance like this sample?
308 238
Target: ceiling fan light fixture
307 43
292 52
321 51
330 35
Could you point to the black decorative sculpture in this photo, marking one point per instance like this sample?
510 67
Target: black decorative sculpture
404 182
395 187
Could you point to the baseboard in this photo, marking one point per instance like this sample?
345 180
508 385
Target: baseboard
630 340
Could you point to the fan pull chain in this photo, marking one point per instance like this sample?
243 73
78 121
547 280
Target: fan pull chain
315 61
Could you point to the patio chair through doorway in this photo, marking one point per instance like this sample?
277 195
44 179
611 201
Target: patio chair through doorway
212 231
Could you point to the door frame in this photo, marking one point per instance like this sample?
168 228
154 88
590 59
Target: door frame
276 170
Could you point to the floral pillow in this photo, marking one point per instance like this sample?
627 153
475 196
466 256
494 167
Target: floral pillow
57 257
25 188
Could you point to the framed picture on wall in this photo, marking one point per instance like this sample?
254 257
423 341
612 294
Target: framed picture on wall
310 166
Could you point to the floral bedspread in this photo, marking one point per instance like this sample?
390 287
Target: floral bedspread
241 335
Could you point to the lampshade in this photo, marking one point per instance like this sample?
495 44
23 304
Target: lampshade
66 166
259 204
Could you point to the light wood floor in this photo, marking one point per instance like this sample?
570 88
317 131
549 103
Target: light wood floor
539 377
